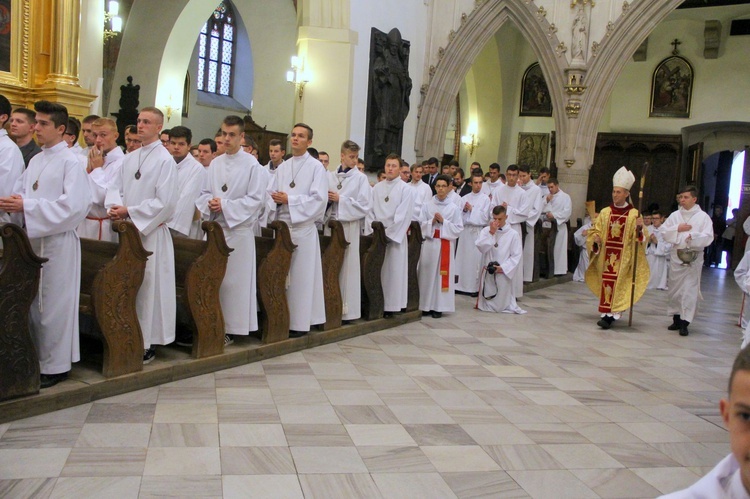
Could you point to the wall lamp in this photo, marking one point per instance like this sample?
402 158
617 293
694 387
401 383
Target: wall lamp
298 76
471 141
112 22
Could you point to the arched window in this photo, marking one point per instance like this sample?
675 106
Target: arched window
216 51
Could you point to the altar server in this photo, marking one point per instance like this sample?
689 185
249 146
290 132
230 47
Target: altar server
475 215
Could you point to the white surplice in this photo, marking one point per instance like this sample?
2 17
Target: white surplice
746 228
685 280
11 169
496 292
191 178
97 224
395 214
305 181
657 255
241 203
517 209
151 200
742 278
355 202
52 211
467 255
722 482
561 207
421 196
583 258
489 188
432 295
535 200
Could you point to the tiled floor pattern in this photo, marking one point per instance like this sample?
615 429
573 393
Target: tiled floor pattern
472 405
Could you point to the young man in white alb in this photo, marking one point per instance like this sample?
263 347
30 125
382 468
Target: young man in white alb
475 215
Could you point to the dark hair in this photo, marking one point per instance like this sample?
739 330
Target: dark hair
234 120
181 132
741 363
276 142
350 145
208 142
445 178
495 166
502 176
249 141
524 168
164 132
453 162
477 172
544 169
4 105
90 118
461 173
432 161
305 126
476 163
30 115
320 153
553 180
131 129
511 168
73 127
395 156
313 152
498 209
381 172
360 160
57 112
691 189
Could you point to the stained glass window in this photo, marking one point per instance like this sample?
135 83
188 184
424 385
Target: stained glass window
216 51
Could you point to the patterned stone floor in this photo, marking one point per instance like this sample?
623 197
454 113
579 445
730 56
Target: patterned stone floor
474 404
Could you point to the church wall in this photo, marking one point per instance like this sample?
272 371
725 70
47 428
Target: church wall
271 28
91 49
411 19
720 88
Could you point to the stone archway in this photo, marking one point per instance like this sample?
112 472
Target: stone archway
576 128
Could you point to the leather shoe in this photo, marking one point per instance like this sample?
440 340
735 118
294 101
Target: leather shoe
297 334
676 323
48 380
437 315
426 312
387 315
605 322
683 328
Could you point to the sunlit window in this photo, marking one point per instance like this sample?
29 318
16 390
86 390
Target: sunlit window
216 51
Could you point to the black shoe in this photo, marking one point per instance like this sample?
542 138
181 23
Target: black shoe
683 328
387 315
149 355
425 313
605 322
676 323
184 341
297 334
48 380
436 315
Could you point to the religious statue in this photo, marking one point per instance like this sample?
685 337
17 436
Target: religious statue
388 101
580 35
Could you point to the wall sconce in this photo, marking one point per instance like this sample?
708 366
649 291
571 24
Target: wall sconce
298 76
471 142
112 22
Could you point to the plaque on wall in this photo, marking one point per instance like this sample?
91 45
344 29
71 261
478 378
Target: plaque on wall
671 88
532 150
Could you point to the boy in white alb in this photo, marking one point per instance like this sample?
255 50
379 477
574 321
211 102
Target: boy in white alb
657 254
475 214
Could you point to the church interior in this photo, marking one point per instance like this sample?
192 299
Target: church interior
475 405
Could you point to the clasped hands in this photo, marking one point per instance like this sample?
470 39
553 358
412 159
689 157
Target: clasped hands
11 204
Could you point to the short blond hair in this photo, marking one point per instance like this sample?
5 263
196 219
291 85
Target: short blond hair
105 123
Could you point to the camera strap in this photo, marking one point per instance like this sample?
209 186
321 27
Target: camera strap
484 286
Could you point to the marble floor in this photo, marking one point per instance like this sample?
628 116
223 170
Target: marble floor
470 405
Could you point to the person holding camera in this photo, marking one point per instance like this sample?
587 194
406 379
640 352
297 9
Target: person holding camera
501 258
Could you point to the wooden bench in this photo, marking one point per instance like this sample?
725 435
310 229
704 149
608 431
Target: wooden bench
415 241
332 249
19 283
371 257
273 253
199 270
111 275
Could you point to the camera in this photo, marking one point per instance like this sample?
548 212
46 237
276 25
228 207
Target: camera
491 267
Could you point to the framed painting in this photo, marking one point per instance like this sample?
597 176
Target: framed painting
532 150
672 88
535 98
14 42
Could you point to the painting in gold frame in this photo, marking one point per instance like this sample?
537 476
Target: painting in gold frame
14 43
532 150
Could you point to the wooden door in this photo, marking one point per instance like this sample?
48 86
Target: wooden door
695 171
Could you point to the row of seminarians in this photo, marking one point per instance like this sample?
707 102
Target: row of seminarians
54 195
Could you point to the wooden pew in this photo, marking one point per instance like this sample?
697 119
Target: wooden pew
332 250
111 275
273 253
19 283
199 270
415 241
371 256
